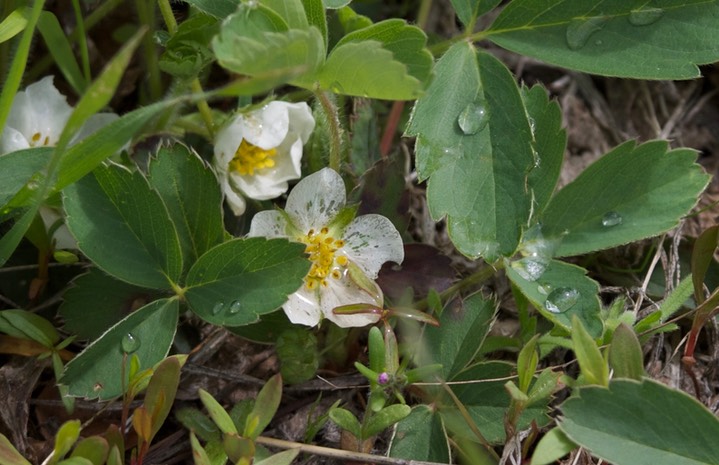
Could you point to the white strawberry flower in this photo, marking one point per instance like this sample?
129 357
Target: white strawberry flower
257 153
346 252
39 114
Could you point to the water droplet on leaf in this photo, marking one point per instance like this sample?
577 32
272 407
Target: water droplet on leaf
235 307
218 307
579 31
645 16
544 289
530 269
452 151
561 299
474 117
130 343
611 219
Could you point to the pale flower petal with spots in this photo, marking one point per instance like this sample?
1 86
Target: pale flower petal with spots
367 241
257 153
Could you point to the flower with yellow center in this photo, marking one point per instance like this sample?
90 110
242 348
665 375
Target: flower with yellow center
258 152
39 114
346 252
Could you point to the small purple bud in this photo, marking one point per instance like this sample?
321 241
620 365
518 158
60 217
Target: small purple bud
383 378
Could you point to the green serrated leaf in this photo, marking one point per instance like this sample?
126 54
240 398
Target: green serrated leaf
187 52
474 145
86 155
407 44
553 446
638 39
235 282
487 402
367 69
610 203
549 140
457 340
641 424
122 225
147 333
109 298
190 191
625 354
569 284
257 40
420 436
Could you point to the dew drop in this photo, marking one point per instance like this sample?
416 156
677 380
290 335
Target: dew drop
544 289
530 268
130 343
33 185
235 307
473 118
579 31
611 219
561 299
218 307
645 16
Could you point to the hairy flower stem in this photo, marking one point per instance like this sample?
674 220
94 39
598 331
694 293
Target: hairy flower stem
195 85
335 128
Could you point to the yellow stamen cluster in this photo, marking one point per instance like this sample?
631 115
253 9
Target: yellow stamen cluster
322 248
250 158
35 140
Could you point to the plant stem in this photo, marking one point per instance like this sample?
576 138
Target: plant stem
338 453
335 127
195 85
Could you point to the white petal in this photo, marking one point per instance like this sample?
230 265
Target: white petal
302 123
61 235
227 142
302 307
345 292
316 199
45 110
12 140
268 223
371 240
269 125
234 199
271 183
